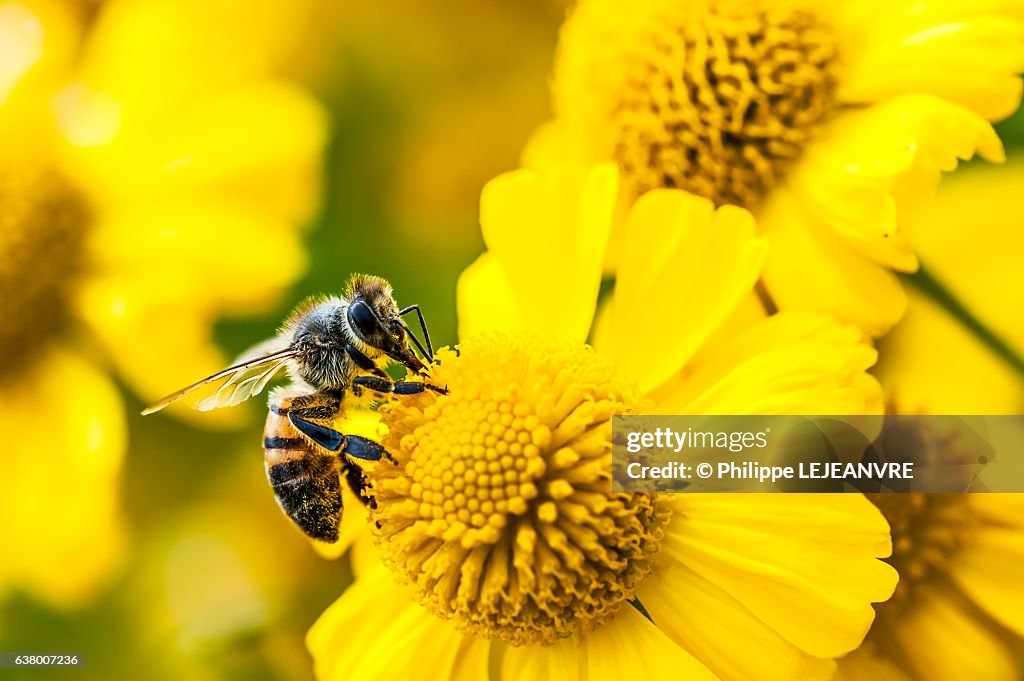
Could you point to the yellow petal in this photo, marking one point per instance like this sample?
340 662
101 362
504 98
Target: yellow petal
376 630
716 629
1005 510
943 643
863 664
158 348
485 300
976 254
549 146
785 364
684 267
190 47
978 382
988 568
871 164
257 144
212 254
631 647
548 232
363 556
811 270
834 227
38 38
160 287
803 566
59 495
558 662
968 53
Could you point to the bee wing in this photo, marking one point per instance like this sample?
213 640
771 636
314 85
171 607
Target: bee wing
239 382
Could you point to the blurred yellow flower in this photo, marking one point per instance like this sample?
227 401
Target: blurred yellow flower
215 586
153 174
499 518
971 240
958 612
827 120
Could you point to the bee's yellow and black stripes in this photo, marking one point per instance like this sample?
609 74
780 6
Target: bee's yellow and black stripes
303 476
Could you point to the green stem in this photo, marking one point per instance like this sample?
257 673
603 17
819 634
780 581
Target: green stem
927 284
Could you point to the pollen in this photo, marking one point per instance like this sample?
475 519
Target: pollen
719 98
43 221
500 512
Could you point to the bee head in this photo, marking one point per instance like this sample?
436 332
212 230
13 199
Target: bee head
373 316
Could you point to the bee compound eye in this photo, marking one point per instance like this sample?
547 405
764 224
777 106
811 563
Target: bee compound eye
362 320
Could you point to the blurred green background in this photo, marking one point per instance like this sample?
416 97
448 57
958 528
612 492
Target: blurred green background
427 102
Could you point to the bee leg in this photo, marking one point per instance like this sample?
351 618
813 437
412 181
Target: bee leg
364 362
363 448
383 385
359 484
328 438
320 407
355 446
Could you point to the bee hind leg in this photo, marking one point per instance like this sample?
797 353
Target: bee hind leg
364 448
359 484
356 446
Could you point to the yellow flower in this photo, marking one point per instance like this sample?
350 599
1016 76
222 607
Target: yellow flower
827 120
217 583
958 612
148 185
499 517
976 256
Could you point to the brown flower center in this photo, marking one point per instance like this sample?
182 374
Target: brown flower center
927 531
720 105
43 222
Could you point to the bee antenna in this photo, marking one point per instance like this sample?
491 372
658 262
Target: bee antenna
416 341
429 354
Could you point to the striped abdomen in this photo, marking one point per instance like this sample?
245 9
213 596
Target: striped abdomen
304 477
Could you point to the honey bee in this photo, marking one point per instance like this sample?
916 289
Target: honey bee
330 346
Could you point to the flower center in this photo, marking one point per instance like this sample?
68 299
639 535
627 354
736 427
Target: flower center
722 104
43 221
500 512
927 531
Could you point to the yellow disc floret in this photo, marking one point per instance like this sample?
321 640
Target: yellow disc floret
500 512
717 98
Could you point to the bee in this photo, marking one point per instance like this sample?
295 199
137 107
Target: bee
330 346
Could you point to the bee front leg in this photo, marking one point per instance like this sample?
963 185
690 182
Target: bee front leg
385 385
364 362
